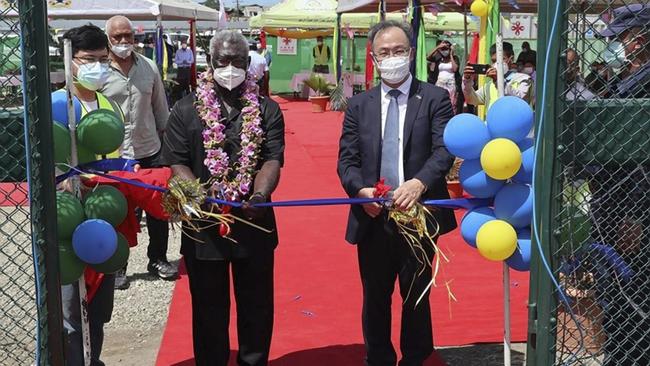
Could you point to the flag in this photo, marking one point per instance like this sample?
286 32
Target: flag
223 20
421 72
161 56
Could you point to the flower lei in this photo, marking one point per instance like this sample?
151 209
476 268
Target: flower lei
217 161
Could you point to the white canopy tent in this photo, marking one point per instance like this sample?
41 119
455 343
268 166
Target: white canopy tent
133 9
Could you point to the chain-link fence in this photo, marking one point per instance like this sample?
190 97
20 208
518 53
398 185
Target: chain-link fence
597 209
30 326
17 287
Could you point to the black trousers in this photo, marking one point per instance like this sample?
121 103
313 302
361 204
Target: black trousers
158 229
100 310
384 256
210 290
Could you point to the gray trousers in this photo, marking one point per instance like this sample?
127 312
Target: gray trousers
99 313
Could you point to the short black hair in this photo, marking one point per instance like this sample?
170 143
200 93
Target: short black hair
508 50
386 24
86 38
319 38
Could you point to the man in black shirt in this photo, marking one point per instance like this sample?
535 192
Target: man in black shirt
208 256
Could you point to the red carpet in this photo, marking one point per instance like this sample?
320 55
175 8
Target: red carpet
13 194
317 285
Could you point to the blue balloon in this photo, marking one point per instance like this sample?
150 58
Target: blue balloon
60 108
525 173
511 118
94 241
514 204
520 259
465 136
472 221
475 182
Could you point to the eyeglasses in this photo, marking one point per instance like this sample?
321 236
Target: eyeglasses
89 60
398 52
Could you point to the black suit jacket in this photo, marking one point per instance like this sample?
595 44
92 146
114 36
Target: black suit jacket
425 155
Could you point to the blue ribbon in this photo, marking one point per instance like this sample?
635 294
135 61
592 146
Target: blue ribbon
98 167
126 165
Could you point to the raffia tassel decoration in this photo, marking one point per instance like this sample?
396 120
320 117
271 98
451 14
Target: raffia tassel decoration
412 225
185 201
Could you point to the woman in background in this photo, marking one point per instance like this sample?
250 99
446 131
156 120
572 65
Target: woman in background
443 72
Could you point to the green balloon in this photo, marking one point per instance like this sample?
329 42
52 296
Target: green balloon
118 260
70 266
106 203
61 138
101 131
84 155
69 214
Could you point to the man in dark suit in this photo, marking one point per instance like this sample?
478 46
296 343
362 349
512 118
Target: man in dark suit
394 131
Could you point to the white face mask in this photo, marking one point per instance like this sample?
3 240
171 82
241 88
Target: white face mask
229 77
528 70
506 67
614 55
122 50
93 76
394 69
444 53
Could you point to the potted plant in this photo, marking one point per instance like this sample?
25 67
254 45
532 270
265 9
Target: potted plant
321 89
453 184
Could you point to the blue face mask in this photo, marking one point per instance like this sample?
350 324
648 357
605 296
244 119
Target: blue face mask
614 55
93 76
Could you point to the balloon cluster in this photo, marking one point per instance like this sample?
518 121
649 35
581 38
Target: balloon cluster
86 231
498 163
87 235
99 132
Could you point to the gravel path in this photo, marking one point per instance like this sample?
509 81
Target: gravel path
140 313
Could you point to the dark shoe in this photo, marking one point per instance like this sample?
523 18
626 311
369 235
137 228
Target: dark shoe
121 281
162 269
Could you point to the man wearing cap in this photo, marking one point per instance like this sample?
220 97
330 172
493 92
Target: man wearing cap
629 51
620 197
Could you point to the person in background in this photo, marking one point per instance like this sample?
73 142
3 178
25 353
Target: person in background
596 80
266 52
149 48
184 59
394 131
530 69
257 68
90 67
576 86
209 257
322 55
620 192
444 72
527 54
516 84
135 84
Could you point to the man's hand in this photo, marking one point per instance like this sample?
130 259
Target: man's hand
408 194
372 209
492 73
468 72
254 212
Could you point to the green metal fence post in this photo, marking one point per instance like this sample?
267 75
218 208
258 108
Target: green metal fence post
39 150
542 301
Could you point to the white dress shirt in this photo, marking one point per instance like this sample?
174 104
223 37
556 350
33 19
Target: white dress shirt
258 65
402 101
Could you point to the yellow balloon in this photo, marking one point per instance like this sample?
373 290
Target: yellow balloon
496 240
479 8
501 158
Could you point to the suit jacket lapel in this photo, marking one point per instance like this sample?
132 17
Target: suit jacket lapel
373 127
412 108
